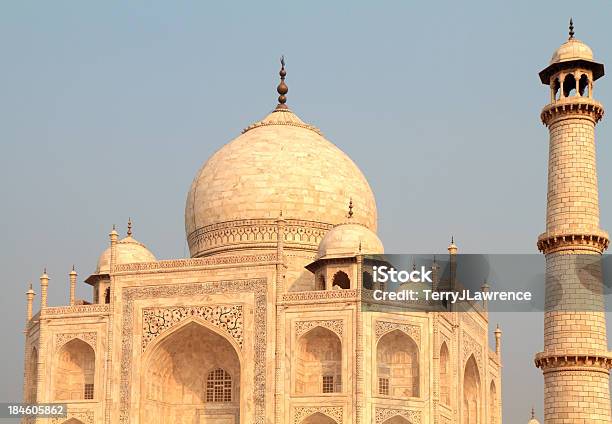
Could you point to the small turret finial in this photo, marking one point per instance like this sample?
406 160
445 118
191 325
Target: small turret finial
571 29
282 88
350 212
129 230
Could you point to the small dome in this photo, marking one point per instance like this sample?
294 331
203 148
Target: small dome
572 49
349 239
129 250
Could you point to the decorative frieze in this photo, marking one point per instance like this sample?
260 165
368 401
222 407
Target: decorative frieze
383 414
247 232
335 325
228 318
472 347
334 412
320 295
196 262
384 327
89 337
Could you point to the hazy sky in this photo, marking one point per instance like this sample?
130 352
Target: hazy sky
108 109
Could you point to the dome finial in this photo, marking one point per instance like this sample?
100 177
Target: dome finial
571 29
350 212
532 412
129 230
282 88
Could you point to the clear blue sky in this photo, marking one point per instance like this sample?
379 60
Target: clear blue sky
109 108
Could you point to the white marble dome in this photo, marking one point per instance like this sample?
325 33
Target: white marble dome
349 239
277 164
129 250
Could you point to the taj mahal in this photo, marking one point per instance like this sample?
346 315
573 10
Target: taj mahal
263 323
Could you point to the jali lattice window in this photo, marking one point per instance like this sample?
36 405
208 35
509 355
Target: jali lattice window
219 386
328 384
89 391
383 386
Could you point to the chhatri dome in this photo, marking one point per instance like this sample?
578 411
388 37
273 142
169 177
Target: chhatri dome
129 250
349 239
277 165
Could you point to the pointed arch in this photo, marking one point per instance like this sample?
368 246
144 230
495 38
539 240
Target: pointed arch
472 402
397 365
73 421
32 376
318 418
190 369
444 377
341 280
493 403
319 362
74 371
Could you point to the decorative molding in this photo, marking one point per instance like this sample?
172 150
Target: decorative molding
384 327
472 324
314 295
335 325
595 241
89 337
383 414
86 416
130 294
472 347
334 412
76 309
228 318
258 232
172 264
577 106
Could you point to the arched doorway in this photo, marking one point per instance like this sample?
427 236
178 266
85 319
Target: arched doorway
191 376
319 362
397 360
73 421
318 418
74 374
397 420
471 393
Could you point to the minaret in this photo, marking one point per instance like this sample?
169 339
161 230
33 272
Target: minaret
73 278
575 361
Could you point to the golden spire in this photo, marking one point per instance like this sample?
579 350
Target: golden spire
129 230
571 29
350 209
282 88
533 413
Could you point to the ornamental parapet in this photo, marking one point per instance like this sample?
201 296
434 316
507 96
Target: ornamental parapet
208 262
87 310
570 359
570 107
596 241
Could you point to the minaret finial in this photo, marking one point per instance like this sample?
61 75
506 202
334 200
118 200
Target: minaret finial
350 212
571 29
282 88
129 231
